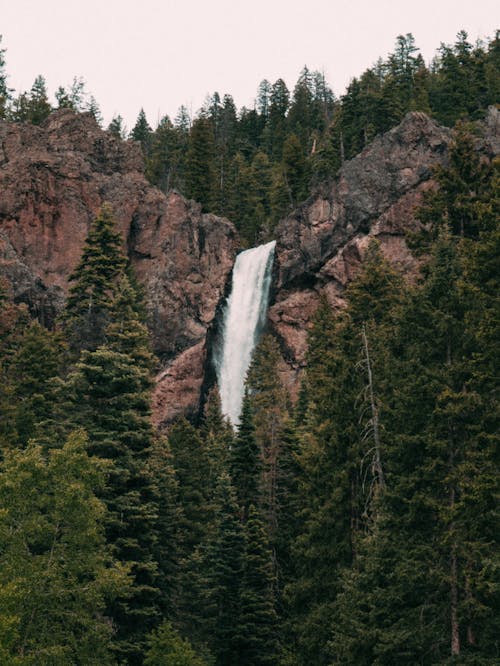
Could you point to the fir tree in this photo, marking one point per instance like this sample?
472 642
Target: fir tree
200 165
142 132
33 369
56 571
168 648
246 461
258 643
4 90
94 284
224 570
117 127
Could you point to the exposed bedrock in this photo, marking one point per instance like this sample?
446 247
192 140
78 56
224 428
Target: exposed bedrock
376 194
54 178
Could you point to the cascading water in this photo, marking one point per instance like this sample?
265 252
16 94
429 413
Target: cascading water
243 320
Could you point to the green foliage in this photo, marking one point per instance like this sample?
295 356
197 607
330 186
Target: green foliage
168 648
56 572
200 165
259 645
110 393
4 90
117 127
245 463
94 284
32 107
225 551
34 366
141 132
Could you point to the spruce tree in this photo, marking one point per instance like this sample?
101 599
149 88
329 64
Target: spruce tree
4 90
246 461
142 132
94 284
33 369
56 571
109 391
258 639
225 550
168 648
200 181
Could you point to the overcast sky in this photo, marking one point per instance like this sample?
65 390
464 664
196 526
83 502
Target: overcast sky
160 54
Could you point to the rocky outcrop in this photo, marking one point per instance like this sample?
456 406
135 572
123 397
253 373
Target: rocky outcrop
376 194
53 180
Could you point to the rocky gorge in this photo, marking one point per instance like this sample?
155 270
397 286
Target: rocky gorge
55 177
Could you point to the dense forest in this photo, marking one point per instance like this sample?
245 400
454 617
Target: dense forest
358 526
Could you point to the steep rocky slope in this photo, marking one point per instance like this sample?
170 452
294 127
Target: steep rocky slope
376 194
54 178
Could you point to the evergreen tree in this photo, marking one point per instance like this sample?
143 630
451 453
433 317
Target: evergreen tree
270 409
94 284
259 645
117 127
295 170
110 395
167 545
464 193
218 436
141 132
200 180
73 97
32 107
165 166
56 571
274 133
224 570
246 461
4 90
34 367
168 648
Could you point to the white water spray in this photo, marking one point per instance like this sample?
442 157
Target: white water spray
243 320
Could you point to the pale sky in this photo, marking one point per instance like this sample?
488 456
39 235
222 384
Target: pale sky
160 54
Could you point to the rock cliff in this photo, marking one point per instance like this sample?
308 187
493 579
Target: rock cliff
321 245
54 178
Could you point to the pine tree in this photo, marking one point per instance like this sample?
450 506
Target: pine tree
35 365
200 179
422 587
258 643
32 107
167 545
4 90
56 571
246 461
142 132
168 648
270 408
117 127
223 580
94 284
110 396
295 170
165 165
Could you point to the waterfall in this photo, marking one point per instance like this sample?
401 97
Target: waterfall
243 320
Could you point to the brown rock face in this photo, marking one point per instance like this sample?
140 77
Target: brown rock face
53 180
320 247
